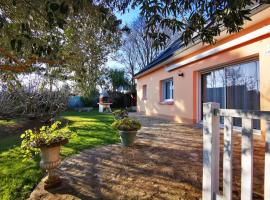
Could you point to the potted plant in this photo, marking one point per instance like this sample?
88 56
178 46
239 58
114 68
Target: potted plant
47 142
127 129
120 114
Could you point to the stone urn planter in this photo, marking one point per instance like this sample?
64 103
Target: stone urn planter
47 142
127 130
50 161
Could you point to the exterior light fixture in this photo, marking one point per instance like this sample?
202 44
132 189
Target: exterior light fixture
181 74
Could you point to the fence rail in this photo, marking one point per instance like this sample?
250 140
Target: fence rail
211 152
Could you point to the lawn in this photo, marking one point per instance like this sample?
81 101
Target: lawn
17 178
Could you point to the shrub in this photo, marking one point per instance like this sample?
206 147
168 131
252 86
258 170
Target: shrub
127 124
91 100
120 114
47 136
121 100
41 105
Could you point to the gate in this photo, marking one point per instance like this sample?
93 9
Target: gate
211 152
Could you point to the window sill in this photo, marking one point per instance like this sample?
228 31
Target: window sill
166 102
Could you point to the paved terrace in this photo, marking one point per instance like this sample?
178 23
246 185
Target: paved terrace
165 163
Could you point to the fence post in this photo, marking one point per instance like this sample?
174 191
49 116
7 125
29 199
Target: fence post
227 158
247 160
211 150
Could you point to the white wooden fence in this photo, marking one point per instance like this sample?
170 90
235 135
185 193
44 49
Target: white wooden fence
211 152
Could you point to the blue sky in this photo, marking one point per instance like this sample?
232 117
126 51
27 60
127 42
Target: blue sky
128 17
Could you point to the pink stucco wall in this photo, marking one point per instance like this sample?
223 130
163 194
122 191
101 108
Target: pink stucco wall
186 104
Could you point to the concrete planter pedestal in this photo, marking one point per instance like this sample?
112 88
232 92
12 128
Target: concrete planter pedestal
50 161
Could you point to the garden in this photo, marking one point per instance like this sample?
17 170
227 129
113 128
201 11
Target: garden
19 177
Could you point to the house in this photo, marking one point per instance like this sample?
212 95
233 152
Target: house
234 72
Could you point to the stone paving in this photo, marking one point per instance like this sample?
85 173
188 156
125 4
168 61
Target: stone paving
165 163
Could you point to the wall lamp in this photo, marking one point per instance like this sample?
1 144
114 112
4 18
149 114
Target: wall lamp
181 74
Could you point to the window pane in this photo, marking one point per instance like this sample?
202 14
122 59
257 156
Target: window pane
171 89
242 87
167 89
144 91
213 89
167 85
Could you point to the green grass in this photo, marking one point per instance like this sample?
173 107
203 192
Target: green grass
9 122
17 178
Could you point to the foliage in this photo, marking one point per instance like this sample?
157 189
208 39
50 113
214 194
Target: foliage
117 79
120 114
42 105
18 179
88 37
61 40
91 100
127 124
122 100
38 31
47 136
200 18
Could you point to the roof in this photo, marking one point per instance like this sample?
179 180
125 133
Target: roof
166 54
177 45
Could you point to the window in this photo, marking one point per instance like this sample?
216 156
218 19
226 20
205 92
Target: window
144 92
167 89
234 87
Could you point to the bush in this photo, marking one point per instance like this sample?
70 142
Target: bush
127 124
120 114
91 100
41 105
47 136
121 100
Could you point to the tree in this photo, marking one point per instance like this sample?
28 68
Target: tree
117 79
138 49
59 39
91 44
200 18
34 32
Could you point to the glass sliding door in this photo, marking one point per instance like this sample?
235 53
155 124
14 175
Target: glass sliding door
213 88
234 87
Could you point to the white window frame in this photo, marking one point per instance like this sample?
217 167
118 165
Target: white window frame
170 80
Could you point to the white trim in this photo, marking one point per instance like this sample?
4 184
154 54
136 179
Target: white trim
260 32
168 100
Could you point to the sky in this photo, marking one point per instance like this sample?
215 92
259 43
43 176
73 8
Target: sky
127 19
